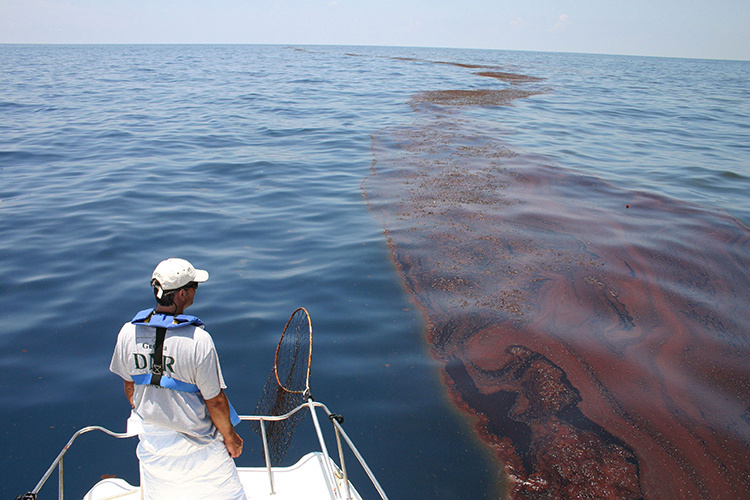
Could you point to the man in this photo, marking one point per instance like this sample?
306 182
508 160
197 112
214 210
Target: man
174 384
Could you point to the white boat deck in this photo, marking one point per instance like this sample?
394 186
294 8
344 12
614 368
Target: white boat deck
305 479
300 480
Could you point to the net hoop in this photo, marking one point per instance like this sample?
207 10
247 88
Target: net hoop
299 312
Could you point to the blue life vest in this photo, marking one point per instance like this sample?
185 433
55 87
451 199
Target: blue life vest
163 322
148 317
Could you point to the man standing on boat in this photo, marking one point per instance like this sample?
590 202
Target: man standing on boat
174 384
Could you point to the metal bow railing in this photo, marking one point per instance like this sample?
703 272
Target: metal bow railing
329 464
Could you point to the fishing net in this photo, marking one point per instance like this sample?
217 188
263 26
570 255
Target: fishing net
288 384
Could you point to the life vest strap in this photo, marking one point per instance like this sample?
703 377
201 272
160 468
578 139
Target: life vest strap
164 381
158 366
179 385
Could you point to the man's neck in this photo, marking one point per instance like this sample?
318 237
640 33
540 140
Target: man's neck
173 310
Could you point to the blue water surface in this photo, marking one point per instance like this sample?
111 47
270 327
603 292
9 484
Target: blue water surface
248 161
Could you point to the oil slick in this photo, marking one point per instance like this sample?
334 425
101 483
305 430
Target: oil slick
598 337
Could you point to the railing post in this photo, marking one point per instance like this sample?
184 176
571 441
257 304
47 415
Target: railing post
60 482
324 449
343 463
266 454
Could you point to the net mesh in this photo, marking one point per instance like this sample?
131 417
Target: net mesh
288 384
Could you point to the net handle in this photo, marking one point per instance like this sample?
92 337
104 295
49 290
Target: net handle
306 391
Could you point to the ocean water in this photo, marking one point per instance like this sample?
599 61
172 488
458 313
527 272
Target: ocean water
269 167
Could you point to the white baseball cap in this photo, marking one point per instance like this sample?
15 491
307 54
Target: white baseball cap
174 273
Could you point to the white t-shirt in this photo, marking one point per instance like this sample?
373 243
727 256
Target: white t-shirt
189 356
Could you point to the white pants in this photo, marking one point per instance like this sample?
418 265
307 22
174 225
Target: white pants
176 468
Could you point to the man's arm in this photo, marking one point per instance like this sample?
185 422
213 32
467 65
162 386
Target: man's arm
218 409
129 390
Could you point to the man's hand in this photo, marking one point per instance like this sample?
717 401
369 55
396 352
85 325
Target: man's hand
218 409
129 390
233 444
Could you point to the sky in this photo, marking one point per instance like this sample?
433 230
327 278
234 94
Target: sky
711 29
